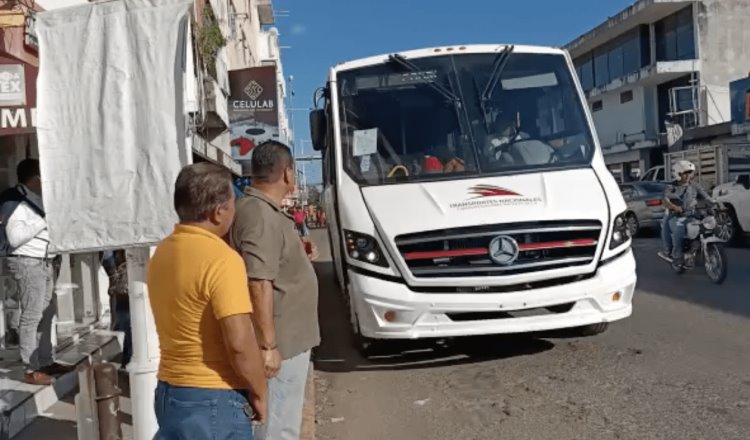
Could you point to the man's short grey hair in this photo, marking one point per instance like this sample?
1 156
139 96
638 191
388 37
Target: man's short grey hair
269 161
201 188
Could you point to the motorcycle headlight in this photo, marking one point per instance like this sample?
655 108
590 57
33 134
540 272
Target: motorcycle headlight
709 222
365 248
620 233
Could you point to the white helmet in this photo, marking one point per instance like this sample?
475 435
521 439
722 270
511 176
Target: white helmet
681 167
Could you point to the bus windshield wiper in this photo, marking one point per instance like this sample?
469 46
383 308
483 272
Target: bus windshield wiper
408 65
497 70
441 89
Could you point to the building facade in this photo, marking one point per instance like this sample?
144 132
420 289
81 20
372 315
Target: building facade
246 40
658 68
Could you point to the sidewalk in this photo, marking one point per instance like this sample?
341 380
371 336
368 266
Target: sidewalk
308 412
59 420
21 404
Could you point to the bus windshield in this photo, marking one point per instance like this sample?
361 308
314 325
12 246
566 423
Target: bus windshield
456 116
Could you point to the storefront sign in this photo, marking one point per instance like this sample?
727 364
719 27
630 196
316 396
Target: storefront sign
12 85
253 111
18 119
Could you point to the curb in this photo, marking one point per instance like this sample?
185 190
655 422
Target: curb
308 410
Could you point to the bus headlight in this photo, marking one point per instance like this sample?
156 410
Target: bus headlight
620 233
365 248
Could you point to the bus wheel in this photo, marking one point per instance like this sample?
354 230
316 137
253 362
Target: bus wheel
592 329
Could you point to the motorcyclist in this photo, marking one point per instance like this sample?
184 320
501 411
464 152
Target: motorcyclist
680 198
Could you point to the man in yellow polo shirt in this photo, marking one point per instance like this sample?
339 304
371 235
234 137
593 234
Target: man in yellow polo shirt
211 377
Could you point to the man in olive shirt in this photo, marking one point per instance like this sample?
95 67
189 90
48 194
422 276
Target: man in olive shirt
283 287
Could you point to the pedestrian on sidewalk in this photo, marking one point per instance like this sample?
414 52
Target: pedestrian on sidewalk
298 214
283 286
33 268
211 378
115 264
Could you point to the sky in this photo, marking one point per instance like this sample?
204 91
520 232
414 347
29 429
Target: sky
321 33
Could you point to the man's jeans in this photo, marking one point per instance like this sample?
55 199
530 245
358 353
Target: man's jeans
673 235
35 280
286 396
201 414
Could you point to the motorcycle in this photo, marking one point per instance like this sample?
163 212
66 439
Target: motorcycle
702 244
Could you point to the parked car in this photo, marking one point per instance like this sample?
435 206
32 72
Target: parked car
645 208
655 174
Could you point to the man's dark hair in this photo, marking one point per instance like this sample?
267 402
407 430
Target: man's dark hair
269 160
27 169
201 188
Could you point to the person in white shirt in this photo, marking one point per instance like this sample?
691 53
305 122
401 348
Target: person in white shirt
33 270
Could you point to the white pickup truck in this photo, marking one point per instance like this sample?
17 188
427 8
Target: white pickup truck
736 197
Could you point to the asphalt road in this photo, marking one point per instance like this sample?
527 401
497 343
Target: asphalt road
679 368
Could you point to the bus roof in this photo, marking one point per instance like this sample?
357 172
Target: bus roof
445 50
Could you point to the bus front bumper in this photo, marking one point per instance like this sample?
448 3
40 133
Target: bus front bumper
390 310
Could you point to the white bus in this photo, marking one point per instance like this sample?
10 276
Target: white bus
466 194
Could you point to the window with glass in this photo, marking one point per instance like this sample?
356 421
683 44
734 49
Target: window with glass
621 57
601 69
455 116
675 37
586 75
616 66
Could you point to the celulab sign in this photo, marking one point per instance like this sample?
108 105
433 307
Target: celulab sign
253 110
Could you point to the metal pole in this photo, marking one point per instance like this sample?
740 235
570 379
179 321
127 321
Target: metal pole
290 112
145 360
107 401
2 321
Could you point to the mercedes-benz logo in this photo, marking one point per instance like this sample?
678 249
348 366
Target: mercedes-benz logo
503 250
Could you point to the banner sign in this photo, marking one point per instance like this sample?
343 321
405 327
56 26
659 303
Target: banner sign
111 133
253 111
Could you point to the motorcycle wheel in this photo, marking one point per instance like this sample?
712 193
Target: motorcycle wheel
715 262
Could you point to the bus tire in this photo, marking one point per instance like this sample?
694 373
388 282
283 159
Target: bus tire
592 329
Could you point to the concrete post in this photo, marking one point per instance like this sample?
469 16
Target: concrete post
145 361
85 297
64 290
652 43
85 401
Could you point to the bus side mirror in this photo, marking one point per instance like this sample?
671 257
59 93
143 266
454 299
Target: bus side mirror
318 129
744 180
